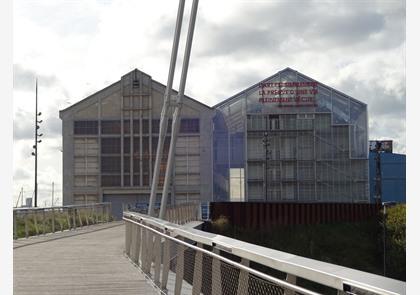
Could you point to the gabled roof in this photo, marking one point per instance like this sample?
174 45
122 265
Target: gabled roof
276 74
119 81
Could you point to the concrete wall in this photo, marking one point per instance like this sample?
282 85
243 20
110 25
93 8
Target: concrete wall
123 101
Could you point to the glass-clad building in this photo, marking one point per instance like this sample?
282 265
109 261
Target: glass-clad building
290 138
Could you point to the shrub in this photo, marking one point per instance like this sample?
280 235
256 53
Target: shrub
221 224
396 242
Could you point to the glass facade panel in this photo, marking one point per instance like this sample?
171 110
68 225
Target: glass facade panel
111 145
110 127
190 126
313 132
85 127
111 180
110 164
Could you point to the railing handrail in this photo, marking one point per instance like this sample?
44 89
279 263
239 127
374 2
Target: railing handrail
335 276
233 263
60 207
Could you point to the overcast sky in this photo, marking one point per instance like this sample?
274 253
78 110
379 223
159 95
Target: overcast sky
76 48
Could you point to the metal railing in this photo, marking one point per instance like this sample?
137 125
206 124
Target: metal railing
36 221
183 213
179 214
183 260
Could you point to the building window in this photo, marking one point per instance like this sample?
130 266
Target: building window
111 180
136 146
111 127
110 164
127 145
155 125
136 126
86 127
236 183
111 145
190 126
126 126
136 164
127 163
145 124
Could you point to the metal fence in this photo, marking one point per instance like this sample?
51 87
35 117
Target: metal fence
266 215
183 213
35 221
183 260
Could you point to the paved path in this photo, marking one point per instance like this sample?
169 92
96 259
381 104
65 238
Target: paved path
84 261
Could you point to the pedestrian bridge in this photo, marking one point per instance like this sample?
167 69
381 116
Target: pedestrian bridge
146 255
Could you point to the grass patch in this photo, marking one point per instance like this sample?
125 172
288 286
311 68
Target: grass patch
41 223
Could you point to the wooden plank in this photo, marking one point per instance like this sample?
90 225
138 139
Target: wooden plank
72 263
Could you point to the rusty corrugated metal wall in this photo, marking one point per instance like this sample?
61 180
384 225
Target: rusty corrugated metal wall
266 215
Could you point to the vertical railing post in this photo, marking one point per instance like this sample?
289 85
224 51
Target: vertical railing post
149 251
128 226
137 242
107 212
86 211
68 218
74 218
216 276
290 279
133 242
158 258
96 214
43 221
243 278
34 215
166 262
53 220
26 224
80 217
198 271
15 235
179 268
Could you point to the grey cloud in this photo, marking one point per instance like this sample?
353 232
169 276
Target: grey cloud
380 102
321 26
24 79
52 127
388 128
23 125
348 28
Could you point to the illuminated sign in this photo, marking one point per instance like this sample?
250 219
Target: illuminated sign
289 94
382 146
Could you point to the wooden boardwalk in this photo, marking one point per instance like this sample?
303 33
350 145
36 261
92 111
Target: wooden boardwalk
84 261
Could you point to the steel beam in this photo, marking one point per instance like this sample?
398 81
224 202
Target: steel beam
177 112
165 108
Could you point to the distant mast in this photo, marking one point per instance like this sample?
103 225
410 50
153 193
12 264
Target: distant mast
35 146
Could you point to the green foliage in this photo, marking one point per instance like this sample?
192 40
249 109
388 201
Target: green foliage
37 225
396 242
221 224
355 245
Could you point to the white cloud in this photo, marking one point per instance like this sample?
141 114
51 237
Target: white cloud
78 47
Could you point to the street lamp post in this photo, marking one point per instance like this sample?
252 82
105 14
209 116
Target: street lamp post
378 178
35 146
266 144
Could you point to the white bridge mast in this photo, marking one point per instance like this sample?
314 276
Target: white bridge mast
177 111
